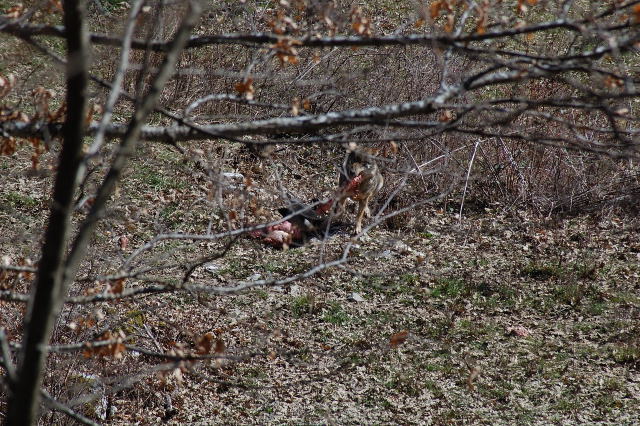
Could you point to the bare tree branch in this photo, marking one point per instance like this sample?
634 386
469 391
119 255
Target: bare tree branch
7 360
117 79
21 29
58 406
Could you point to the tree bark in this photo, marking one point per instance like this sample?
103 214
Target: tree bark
48 295
56 270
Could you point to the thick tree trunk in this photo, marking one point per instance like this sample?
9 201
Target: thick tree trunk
56 270
50 288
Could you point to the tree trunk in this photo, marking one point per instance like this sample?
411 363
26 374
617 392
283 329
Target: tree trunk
50 288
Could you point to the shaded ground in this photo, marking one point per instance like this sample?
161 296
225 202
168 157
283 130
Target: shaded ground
498 319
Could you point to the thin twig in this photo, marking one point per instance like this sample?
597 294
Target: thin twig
7 361
58 406
466 181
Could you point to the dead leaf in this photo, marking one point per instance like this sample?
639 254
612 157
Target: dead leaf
8 146
448 27
117 287
245 88
518 330
285 52
398 338
114 349
14 12
205 342
359 23
220 346
445 116
435 8
123 242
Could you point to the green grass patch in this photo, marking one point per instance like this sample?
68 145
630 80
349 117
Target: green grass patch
449 288
335 314
17 200
566 404
303 305
569 293
234 267
626 353
410 278
136 317
113 5
596 308
406 382
543 272
378 318
172 215
151 177
625 298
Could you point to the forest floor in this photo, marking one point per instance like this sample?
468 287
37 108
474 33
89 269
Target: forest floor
499 318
